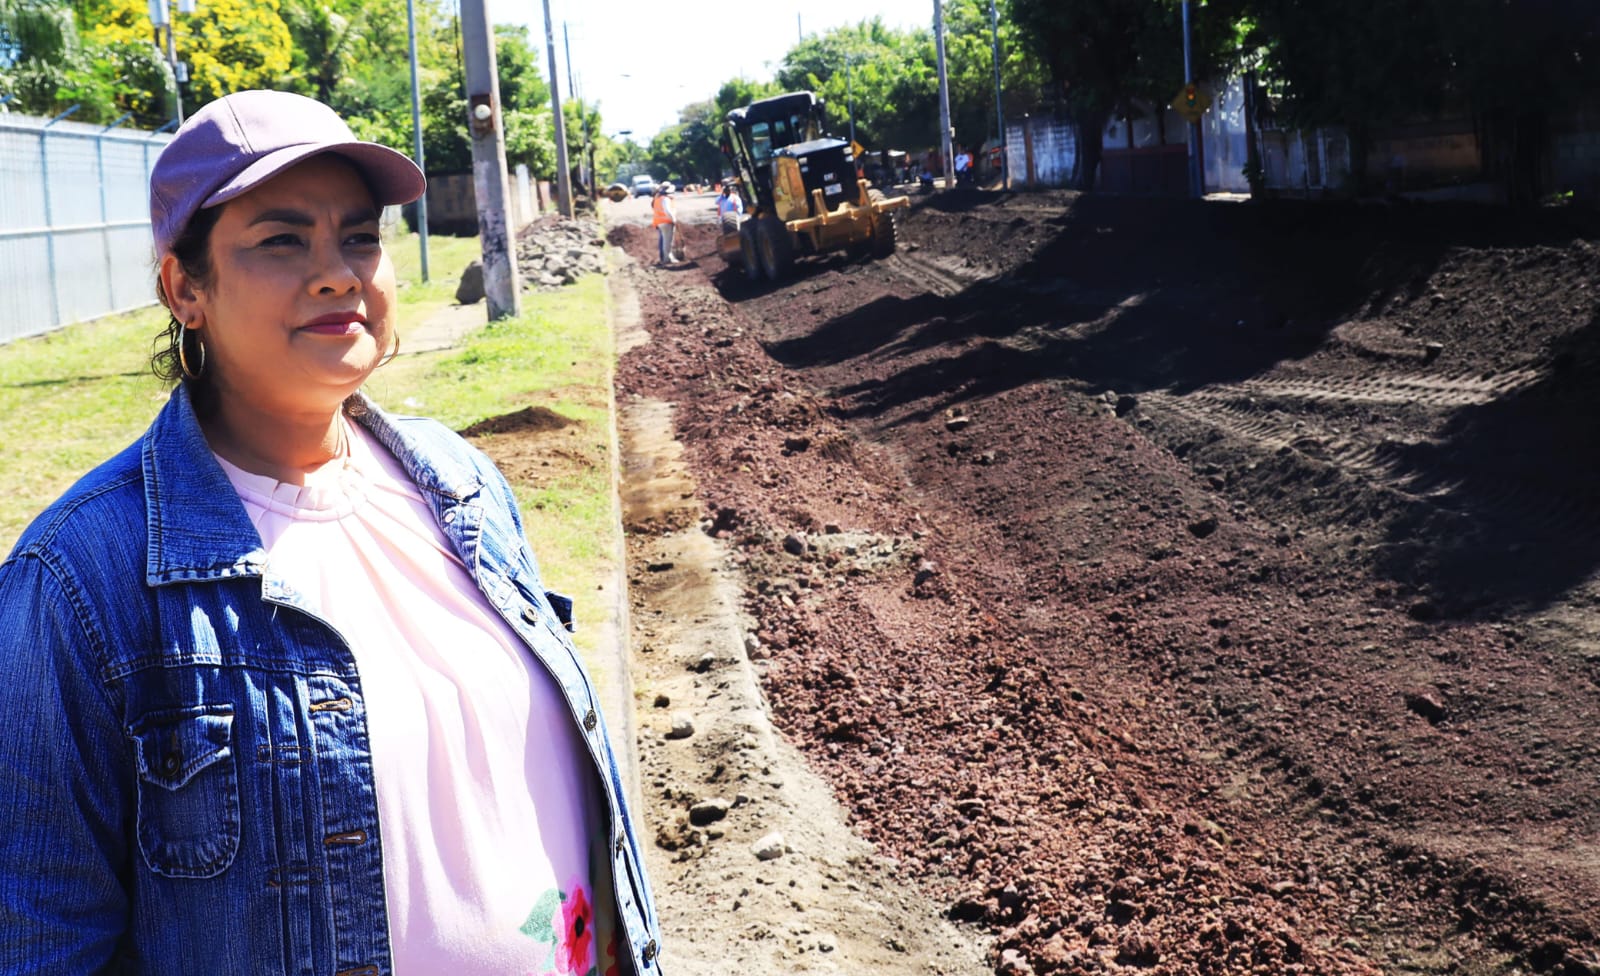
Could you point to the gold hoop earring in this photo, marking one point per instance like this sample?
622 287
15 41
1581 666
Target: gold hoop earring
183 361
392 353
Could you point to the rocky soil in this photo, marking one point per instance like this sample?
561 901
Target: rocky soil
1156 586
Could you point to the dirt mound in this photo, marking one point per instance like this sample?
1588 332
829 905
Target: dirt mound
1178 586
528 420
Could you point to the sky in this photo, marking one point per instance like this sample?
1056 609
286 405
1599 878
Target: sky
642 62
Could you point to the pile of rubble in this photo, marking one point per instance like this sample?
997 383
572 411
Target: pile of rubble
551 252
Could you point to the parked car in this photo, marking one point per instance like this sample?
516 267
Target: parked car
643 185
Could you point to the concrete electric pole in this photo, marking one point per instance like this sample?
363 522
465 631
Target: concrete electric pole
563 176
495 234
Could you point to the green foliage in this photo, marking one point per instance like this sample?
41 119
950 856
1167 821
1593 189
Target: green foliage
1375 61
49 67
1103 56
883 79
886 79
969 62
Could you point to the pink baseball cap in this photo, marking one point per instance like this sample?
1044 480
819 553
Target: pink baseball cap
240 141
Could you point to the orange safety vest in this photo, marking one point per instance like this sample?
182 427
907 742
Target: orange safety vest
659 205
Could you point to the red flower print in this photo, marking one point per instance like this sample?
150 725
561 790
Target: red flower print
575 947
611 957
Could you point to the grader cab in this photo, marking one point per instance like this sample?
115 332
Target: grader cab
800 190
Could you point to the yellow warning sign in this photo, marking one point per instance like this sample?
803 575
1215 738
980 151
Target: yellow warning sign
1191 102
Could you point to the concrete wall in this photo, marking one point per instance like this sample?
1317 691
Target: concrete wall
453 202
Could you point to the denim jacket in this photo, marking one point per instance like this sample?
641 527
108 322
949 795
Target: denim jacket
187 786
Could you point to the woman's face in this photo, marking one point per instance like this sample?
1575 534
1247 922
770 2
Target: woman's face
298 308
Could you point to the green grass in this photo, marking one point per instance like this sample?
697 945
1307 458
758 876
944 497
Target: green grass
556 355
447 256
73 398
69 400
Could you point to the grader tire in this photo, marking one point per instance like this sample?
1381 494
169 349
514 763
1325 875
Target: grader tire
747 252
884 227
775 247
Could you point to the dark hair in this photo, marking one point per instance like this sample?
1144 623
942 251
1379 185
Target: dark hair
192 248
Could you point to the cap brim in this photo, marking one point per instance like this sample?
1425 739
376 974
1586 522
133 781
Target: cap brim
392 176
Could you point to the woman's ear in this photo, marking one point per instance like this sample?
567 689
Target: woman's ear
182 292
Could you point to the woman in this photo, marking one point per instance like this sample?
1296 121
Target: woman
295 698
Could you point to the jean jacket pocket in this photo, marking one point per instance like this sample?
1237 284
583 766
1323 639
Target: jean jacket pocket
188 817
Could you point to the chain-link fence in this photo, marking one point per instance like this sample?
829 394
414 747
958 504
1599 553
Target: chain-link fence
74 222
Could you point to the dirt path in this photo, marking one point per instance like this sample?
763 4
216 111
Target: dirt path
1172 587
755 867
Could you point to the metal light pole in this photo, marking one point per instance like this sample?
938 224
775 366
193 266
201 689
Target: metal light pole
416 130
945 135
999 109
1197 186
159 18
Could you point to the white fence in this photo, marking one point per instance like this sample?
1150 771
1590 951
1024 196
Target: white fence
74 222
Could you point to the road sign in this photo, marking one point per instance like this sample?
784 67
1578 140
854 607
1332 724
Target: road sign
1191 102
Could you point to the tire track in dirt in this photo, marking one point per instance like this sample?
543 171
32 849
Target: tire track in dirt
925 273
1279 416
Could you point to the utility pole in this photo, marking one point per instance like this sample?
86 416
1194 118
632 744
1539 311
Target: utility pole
999 108
1197 180
946 137
416 130
563 178
500 278
583 114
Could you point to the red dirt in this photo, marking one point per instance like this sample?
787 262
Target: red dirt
1174 586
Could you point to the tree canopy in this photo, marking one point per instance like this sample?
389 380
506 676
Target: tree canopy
1507 64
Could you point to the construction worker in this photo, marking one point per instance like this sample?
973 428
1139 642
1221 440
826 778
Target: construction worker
730 207
665 221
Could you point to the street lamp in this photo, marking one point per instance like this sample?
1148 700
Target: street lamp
160 18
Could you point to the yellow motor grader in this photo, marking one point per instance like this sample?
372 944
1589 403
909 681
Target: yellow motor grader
800 190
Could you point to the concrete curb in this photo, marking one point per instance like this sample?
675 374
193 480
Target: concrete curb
622 308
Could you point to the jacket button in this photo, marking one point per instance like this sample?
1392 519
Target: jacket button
530 615
449 516
650 950
590 720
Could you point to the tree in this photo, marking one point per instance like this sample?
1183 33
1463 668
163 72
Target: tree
1368 63
887 77
969 63
325 41
230 45
1102 55
49 68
